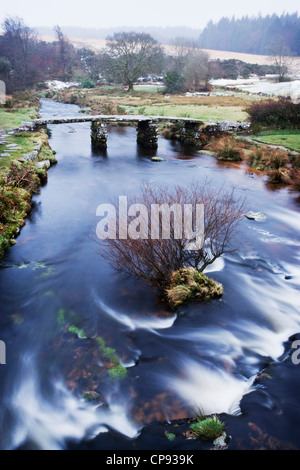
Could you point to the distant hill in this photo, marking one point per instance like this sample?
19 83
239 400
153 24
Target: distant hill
255 35
162 35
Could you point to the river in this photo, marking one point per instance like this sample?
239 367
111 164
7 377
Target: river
207 357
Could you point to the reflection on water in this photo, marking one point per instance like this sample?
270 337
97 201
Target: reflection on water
54 279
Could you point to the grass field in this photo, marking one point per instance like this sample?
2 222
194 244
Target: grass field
288 139
149 102
16 145
205 113
12 118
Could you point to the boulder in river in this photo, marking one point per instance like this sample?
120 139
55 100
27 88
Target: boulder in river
257 216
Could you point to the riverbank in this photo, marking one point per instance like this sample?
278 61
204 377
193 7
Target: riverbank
24 161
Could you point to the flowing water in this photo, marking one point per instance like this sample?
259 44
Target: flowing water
54 278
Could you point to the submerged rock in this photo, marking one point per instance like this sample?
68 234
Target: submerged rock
257 216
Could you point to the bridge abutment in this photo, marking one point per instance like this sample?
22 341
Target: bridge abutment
147 134
99 134
190 133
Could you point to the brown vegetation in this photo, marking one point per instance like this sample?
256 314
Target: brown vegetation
281 114
226 148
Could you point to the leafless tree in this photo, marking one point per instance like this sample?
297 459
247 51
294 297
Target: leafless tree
130 55
198 71
181 47
18 44
281 60
154 260
66 53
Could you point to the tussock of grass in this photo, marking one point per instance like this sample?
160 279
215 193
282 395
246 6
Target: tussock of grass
208 429
275 162
189 285
226 148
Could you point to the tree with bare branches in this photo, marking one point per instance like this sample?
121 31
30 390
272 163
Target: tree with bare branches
18 44
281 60
155 258
129 55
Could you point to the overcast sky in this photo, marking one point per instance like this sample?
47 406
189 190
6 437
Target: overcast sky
110 13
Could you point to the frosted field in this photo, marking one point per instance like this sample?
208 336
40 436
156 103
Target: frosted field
264 86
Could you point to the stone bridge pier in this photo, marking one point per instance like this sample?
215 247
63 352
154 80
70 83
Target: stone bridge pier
190 133
99 134
147 134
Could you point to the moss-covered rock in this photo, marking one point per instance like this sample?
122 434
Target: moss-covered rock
189 285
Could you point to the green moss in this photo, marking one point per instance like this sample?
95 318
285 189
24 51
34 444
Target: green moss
170 436
208 429
101 343
108 353
117 373
77 331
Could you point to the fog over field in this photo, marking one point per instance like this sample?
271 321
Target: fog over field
100 14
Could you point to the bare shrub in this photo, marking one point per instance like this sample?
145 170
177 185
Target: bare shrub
281 114
156 260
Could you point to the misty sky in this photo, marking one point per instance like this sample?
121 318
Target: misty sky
110 13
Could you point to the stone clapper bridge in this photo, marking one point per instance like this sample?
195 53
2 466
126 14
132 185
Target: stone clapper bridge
146 127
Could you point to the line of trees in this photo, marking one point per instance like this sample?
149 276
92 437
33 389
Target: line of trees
25 60
255 35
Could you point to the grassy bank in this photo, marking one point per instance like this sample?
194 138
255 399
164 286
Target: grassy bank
20 176
148 102
284 138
